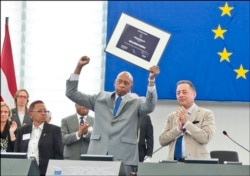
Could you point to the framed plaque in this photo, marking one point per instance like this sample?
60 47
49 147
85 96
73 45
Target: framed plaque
137 42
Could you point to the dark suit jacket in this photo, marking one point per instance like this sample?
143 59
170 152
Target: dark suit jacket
146 137
27 120
50 144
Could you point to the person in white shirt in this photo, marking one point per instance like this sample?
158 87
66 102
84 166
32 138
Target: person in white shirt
39 139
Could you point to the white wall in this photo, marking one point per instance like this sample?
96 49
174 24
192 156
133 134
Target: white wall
231 117
46 48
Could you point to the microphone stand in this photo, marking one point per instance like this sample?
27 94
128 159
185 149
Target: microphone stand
134 173
225 133
154 152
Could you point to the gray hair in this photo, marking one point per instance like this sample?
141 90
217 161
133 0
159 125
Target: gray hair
127 73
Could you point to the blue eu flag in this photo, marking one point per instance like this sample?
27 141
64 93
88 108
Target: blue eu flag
209 46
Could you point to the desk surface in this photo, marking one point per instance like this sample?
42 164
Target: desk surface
192 169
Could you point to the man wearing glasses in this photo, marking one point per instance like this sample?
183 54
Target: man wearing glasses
40 139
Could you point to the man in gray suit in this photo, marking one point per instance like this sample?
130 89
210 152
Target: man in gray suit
115 133
76 133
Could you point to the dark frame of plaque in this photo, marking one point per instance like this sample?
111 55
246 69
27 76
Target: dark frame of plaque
137 42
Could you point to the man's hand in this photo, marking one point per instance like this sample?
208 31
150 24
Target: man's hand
84 60
154 71
147 159
83 129
13 127
182 114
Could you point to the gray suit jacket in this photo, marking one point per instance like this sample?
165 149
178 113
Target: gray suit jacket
197 136
73 147
117 135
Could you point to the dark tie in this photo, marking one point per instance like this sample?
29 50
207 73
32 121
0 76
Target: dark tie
178 148
81 121
117 104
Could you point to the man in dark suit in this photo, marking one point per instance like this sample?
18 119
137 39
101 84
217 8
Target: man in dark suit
40 139
146 138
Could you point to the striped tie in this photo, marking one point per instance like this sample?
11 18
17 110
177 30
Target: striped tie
81 121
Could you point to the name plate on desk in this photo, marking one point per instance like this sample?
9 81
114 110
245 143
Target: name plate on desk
78 167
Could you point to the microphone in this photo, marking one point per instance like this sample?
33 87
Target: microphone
154 152
225 133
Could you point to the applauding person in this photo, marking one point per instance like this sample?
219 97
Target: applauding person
8 129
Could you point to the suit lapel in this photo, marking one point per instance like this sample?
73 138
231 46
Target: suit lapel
110 101
16 117
45 130
88 120
74 121
26 116
194 114
123 104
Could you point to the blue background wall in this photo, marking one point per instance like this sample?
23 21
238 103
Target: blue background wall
192 51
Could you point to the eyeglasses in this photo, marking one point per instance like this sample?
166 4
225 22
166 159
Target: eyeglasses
40 111
22 96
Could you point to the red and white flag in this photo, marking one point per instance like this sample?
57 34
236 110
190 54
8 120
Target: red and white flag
8 78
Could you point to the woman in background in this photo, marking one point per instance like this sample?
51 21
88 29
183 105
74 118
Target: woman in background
8 129
20 113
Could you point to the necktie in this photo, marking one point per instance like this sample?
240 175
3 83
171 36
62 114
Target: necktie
178 149
81 121
117 104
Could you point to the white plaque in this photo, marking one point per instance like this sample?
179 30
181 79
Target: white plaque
137 42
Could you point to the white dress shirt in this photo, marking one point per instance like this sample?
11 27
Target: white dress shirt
33 150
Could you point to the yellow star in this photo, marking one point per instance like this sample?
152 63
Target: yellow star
219 32
226 10
241 72
224 55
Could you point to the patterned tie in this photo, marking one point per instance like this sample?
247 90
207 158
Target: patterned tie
81 121
117 104
178 149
